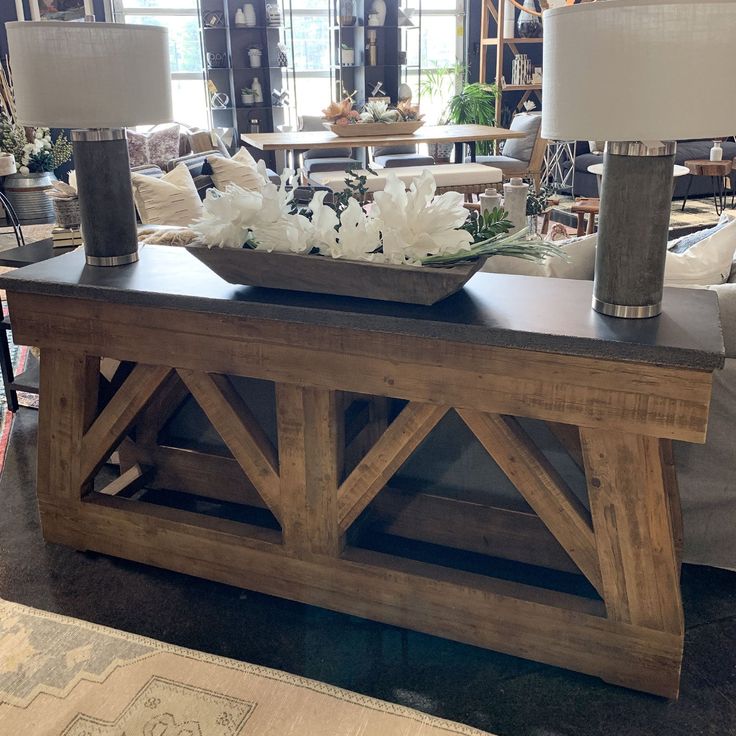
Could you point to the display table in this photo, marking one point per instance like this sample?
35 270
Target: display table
507 346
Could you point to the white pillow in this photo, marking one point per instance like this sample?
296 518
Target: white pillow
171 200
707 261
241 169
581 266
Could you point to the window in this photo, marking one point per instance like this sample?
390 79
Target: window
310 28
442 54
181 17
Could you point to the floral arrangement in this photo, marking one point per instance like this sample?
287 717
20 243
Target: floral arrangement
376 111
34 149
414 227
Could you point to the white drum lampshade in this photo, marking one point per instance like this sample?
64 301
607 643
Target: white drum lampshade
90 75
632 70
96 78
629 72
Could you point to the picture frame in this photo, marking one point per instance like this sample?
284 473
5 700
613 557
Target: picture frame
66 10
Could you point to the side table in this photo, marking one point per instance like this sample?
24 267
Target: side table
717 171
582 207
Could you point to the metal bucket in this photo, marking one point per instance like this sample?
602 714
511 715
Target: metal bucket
27 194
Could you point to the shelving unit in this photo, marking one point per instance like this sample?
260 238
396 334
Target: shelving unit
392 40
234 41
495 67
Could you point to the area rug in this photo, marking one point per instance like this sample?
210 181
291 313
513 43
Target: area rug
65 677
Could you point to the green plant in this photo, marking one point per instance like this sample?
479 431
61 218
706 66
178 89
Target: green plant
536 202
439 83
476 104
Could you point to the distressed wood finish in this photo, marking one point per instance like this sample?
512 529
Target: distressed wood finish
329 479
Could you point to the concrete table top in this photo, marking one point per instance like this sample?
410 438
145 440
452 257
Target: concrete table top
528 313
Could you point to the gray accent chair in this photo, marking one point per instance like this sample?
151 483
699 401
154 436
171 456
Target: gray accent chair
390 157
325 159
522 157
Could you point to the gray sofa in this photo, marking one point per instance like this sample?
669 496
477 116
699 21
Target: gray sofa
586 184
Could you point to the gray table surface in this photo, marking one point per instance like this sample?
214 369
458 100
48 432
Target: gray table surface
548 315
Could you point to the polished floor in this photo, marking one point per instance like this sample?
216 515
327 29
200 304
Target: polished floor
501 694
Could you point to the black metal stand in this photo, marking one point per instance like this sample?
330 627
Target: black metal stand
6 363
720 198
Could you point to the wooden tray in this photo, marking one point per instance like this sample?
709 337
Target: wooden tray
324 275
364 129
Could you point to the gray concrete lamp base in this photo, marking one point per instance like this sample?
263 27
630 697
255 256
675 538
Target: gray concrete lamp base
106 206
633 228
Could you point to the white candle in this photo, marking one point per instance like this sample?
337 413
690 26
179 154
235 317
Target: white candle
19 10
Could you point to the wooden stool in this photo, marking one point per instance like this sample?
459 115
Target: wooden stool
584 207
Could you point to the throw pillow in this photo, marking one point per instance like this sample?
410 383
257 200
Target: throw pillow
703 258
155 147
241 169
580 251
522 148
207 140
170 200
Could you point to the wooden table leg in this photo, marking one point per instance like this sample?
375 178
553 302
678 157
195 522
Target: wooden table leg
636 549
69 390
310 429
581 224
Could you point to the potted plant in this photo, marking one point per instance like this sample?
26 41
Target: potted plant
347 55
438 84
246 96
474 104
38 154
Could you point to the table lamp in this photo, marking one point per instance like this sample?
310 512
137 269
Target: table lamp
94 78
630 72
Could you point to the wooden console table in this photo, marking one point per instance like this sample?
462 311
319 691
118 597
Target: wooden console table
616 392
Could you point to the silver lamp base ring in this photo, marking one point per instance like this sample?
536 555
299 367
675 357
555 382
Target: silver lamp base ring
627 312
111 260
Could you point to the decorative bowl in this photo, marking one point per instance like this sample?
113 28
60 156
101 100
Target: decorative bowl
324 275
357 130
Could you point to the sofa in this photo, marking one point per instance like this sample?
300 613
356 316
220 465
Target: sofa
586 185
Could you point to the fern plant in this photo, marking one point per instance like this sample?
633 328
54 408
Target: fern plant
475 104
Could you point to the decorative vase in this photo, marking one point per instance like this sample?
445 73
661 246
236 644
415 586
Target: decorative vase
257 92
250 15
347 12
247 98
405 92
27 194
716 153
490 200
529 25
379 8
514 201
509 19
254 57
347 57
239 17
533 226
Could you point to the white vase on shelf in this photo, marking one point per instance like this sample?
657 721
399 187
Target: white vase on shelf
257 91
250 15
379 8
239 17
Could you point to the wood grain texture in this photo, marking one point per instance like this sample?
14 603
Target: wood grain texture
541 486
240 431
389 453
646 399
310 429
119 414
629 506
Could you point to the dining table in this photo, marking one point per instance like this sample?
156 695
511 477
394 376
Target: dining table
459 135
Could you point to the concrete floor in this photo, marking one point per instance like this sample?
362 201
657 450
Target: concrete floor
501 694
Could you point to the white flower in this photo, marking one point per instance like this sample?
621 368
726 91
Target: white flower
24 170
359 235
324 224
416 224
29 148
228 216
529 105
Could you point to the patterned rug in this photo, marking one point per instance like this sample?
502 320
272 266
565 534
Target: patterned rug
66 677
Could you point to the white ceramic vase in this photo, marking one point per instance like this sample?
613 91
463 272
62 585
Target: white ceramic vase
250 15
257 91
239 17
379 8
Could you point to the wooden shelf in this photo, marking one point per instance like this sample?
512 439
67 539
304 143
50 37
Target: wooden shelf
521 87
495 41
